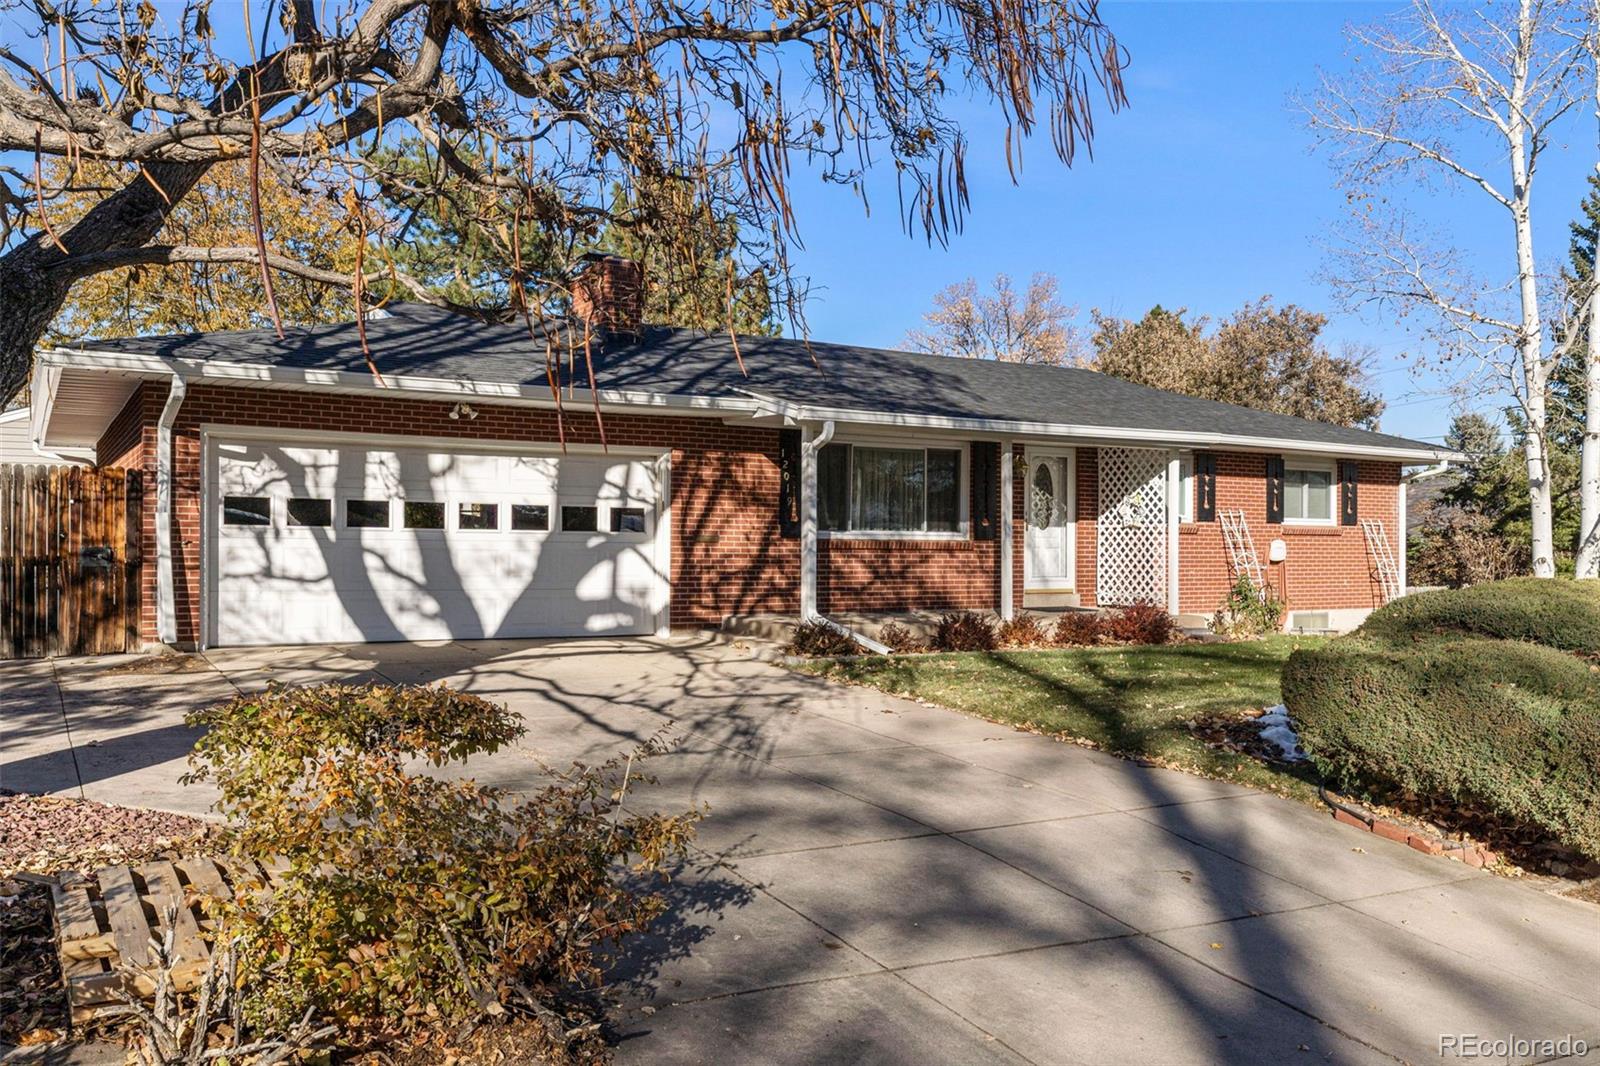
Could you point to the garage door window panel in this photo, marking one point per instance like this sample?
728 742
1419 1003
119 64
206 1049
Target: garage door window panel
310 512
366 514
629 520
530 517
478 517
580 518
422 514
246 510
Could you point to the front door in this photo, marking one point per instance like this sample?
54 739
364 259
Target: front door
1048 547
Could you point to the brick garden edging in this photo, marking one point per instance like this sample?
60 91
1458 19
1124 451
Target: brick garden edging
1474 855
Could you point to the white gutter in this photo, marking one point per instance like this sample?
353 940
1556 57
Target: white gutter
1089 434
166 602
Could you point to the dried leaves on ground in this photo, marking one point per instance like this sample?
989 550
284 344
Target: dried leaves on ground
33 1004
47 834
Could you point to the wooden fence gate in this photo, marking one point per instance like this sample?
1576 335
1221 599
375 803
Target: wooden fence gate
69 561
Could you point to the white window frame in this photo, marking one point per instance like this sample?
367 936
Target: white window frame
1185 487
963 491
1290 465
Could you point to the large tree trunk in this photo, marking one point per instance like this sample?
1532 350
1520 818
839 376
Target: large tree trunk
1588 562
1530 348
35 277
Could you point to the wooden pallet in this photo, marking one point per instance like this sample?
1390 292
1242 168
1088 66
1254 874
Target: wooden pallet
104 924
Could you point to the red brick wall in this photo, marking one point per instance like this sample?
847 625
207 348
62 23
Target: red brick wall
1087 534
1327 567
727 554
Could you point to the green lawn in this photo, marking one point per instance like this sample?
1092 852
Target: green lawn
1132 701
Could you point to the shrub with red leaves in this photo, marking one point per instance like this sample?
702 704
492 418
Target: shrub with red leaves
1023 631
966 631
1077 628
1142 623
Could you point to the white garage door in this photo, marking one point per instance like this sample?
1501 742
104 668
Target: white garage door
315 543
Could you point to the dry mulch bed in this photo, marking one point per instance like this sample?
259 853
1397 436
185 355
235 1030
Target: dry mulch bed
47 834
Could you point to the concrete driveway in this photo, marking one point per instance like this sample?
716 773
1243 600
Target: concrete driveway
880 881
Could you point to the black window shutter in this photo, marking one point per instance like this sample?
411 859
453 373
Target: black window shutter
1349 474
1205 486
789 482
1274 489
985 461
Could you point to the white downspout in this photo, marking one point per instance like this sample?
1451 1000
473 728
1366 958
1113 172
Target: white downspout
166 601
1008 602
1400 534
810 445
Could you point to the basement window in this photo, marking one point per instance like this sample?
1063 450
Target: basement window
889 489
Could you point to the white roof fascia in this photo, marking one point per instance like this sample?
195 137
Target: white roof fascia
758 406
1100 434
208 372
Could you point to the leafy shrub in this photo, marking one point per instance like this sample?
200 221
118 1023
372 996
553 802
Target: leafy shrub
410 899
1456 547
1557 613
965 631
819 639
1476 697
1141 623
1247 614
901 640
1076 628
1023 631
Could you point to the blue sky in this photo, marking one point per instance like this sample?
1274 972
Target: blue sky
1204 194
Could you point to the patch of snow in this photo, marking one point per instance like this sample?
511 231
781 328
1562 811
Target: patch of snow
1276 728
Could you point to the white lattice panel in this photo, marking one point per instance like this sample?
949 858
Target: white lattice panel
1131 558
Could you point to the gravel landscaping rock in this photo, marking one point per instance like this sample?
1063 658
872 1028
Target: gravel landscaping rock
47 834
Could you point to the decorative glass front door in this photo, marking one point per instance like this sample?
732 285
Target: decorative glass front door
1048 539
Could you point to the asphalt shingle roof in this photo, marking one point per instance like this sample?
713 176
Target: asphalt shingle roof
425 341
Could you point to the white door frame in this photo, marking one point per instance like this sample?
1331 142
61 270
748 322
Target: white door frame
210 432
1067 462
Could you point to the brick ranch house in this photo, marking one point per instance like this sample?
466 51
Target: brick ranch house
299 499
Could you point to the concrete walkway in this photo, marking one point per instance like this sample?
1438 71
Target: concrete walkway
880 881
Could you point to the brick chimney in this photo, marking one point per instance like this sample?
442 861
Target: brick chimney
608 293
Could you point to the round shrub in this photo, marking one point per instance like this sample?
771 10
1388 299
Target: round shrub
1079 628
1416 701
1557 613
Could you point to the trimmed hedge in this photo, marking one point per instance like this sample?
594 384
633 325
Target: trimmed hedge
1415 700
1556 613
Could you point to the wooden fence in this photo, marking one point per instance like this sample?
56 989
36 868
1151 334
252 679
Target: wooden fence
69 561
